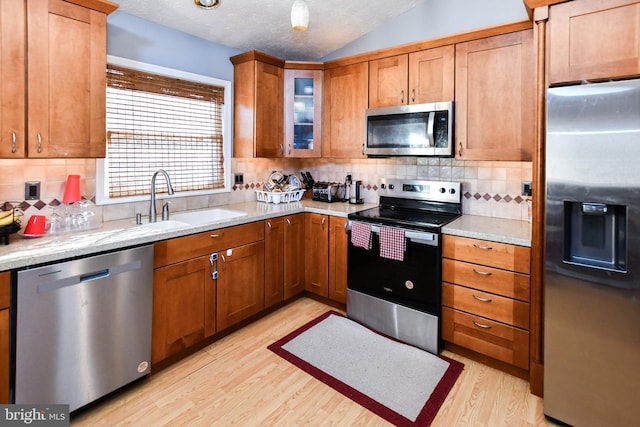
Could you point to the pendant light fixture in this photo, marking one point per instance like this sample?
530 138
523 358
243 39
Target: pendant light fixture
299 15
207 4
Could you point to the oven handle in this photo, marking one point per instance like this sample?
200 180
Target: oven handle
420 237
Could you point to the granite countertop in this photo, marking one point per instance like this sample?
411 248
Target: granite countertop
511 231
114 235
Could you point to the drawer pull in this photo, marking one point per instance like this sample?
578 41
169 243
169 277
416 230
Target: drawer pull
482 273
481 298
480 325
483 247
217 235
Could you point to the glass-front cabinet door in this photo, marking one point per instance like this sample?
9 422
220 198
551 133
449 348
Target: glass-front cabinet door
303 113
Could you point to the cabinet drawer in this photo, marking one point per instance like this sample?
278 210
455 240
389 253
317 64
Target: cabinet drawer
493 254
5 289
501 282
498 341
491 306
183 248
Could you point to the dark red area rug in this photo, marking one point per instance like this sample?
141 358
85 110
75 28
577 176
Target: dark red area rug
402 384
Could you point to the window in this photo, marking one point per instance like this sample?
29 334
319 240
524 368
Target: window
159 118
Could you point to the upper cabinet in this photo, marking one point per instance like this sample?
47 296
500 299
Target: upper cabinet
303 112
415 78
345 102
12 79
495 98
594 40
66 45
258 85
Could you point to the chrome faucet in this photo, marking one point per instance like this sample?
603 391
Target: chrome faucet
152 207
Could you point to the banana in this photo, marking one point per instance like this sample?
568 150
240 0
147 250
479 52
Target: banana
7 218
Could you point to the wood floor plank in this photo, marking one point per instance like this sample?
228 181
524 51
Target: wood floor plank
238 381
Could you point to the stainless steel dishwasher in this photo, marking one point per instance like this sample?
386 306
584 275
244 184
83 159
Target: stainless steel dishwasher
83 327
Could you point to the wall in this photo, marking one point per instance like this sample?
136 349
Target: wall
490 188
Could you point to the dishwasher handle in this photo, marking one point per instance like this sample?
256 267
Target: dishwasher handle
71 280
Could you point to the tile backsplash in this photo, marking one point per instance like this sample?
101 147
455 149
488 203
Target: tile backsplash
489 188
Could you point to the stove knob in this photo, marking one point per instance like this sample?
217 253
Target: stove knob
391 186
442 190
452 190
383 186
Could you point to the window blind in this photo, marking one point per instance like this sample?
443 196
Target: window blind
158 122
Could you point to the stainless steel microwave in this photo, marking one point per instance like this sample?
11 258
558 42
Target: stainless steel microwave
410 130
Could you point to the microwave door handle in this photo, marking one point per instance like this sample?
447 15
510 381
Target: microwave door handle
430 126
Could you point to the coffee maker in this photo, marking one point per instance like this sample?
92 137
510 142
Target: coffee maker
355 193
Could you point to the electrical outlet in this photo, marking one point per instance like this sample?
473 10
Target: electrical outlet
238 179
526 188
32 190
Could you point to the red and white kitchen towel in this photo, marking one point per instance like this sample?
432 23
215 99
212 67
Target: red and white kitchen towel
361 235
392 243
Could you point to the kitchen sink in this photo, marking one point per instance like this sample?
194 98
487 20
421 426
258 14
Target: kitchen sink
207 216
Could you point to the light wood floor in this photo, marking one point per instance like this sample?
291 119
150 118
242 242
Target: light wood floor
237 381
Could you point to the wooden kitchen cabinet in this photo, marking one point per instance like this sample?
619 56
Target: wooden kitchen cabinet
594 40
5 356
494 100
258 85
184 301
338 245
186 297
345 102
303 111
326 256
485 298
316 249
240 287
284 258
415 78
53 56
12 79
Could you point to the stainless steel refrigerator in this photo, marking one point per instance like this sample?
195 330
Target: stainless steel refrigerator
592 283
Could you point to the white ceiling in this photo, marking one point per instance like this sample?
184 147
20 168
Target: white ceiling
265 25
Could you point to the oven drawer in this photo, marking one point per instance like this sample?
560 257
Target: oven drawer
493 254
491 306
493 339
501 282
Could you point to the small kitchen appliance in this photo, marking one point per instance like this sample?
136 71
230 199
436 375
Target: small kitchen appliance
328 192
410 130
395 260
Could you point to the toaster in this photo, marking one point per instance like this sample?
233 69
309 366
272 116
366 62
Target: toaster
328 192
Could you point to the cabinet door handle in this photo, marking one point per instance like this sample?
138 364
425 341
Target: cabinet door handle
324 219
288 222
289 149
363 149
14 145
39 143
216 235
413 96
480 325
224 261
460 149
282 149
483 247
482 273
269 225
346 227
402 96
481 299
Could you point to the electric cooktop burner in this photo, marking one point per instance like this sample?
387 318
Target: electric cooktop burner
414 204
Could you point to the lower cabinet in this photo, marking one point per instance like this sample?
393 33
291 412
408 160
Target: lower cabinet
204 283
326 256
485 298
284 258
240 283
5 300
